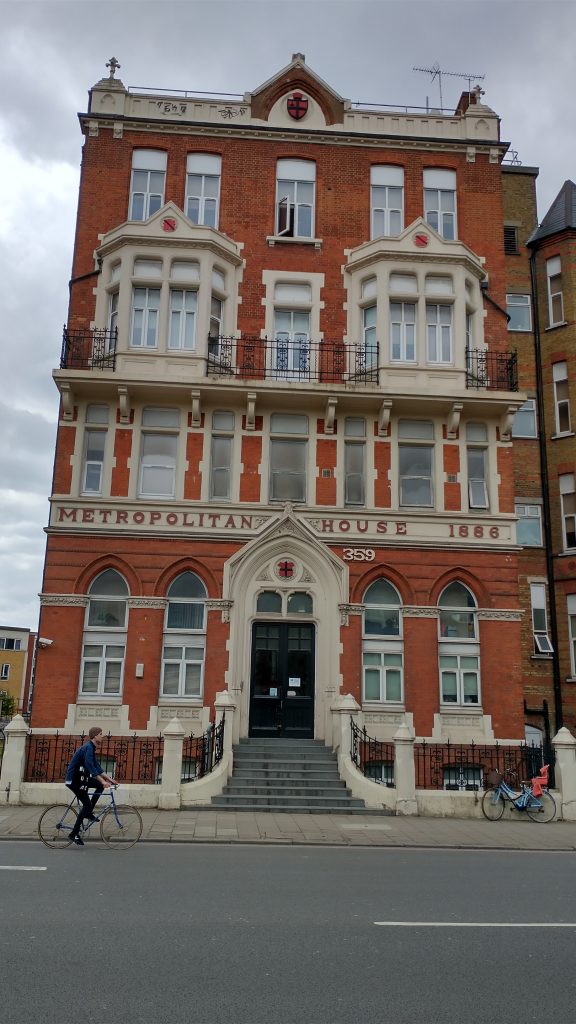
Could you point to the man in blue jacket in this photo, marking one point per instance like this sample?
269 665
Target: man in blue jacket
84 773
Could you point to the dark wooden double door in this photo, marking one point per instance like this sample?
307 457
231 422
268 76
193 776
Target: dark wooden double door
282 680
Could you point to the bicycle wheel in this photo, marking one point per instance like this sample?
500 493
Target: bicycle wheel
493 804
545 810
55 825
121 827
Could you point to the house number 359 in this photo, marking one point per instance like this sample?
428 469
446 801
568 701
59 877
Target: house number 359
359 554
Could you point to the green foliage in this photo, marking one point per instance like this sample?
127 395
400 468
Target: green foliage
7 704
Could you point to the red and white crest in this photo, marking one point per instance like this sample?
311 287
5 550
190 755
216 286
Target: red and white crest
297 105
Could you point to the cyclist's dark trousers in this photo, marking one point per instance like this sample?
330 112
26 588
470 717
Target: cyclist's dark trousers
87 802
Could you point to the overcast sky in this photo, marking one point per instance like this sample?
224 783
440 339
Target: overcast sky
52 52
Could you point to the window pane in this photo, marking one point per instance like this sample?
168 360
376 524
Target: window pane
372 684
107 613
112 677
185 616
192 680
393 685
170 681
187 584
269 601
449 687
381 622
90 677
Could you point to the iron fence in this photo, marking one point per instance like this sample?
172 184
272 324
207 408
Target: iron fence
88 349
127 758
494 371
373 758
201 754
299 360
465 766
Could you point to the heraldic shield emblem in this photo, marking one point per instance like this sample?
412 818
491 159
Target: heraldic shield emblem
297 105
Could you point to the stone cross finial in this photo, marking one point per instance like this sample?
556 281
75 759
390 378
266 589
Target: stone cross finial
113 65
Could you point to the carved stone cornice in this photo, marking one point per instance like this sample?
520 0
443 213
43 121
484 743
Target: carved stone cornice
501 614
215 604
74 600
422 611
349 609
147 602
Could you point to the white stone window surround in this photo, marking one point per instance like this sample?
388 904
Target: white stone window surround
386 200
87 422
478 447
366 442
465 301
134 462
440 202
203 179
205 267
147 183
437 475
296 183
216 428
95 472
271 278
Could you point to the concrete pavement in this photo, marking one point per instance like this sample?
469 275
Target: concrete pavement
209 825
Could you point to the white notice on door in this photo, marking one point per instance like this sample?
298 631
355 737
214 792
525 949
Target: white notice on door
294 681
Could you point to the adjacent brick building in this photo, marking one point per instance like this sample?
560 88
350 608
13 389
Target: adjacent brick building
285 464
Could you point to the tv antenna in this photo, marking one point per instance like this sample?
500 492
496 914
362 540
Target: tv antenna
437 72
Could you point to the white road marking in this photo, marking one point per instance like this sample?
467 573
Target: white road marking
474 924
12 867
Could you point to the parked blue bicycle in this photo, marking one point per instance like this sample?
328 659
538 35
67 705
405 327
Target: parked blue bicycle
534 797
120 825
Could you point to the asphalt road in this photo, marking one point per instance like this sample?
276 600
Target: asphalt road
285 935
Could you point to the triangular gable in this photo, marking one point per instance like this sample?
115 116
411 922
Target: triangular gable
297 76
170 224
418 239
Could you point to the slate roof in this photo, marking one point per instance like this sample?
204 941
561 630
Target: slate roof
560 216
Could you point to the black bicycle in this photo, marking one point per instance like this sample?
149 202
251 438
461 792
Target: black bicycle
120 825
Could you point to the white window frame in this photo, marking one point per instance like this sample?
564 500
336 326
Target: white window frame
181 339
406 338
404 445
292 347
391 662
561 398
353 446
163 462
538 605
278 438
477 486
457 651
221 433
5 673
387 179
149 162
182 641
439 334
294 176
90 466
528 408
439 184
567 488
555 291
571 611
106 641
207 167
521 304
150 306
528 512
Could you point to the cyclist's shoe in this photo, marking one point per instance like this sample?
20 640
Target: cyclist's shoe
92 818
78 841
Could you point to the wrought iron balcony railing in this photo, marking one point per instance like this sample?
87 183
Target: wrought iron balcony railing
293 359
88 349
494 371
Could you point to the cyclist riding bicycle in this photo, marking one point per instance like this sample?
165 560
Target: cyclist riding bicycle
84 773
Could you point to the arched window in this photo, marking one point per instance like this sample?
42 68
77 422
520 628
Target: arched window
382 648
184 648
269 601
104 643
299 604
459 655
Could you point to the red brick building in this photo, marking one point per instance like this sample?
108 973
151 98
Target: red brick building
284 464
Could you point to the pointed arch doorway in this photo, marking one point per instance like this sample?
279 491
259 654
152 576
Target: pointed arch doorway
282 679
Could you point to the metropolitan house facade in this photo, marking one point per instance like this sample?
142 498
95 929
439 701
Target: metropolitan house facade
285 457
